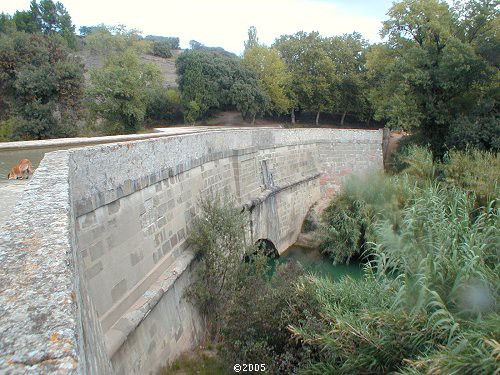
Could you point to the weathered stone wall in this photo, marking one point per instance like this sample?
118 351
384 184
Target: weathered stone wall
47 321
132 220
129 208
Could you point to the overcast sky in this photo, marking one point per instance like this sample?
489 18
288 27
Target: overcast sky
225 23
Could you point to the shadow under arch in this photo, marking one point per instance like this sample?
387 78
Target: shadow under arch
267 247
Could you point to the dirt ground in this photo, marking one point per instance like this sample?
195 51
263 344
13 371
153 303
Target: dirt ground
392 146
235 119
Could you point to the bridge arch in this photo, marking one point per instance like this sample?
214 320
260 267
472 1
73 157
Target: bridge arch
267 247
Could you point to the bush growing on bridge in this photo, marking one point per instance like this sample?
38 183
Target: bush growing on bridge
242 300
218 236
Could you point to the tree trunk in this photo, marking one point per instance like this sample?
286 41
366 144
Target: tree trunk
253 119
317 118
369 119
343 118
292 115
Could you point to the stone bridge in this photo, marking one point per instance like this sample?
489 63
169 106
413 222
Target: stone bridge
95 259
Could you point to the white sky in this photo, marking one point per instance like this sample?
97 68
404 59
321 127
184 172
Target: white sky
225 23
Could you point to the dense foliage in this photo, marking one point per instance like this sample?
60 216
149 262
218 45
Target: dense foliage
162 49
349 219
219 240
435 75
120 91
173 42
211 81
41 85
435 280
235 280
437 71
428 301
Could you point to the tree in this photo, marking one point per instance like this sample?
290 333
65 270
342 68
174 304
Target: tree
348 54
272 75
171 40
193 44
119 91
208 76
248 100
41 85
164 105
26 21
194 83
7 24
252 41
109 40
312 70
161 49
54 18
431 76
192 112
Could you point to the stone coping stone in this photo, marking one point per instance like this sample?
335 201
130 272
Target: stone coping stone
38 317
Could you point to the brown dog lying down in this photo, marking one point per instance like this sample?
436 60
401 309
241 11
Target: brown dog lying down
18 170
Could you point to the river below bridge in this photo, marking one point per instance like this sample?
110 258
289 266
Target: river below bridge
314 262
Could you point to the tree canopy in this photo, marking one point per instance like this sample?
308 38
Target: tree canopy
436 74
216 81
41 85
431 74
120 91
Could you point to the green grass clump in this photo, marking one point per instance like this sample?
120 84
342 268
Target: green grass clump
429 300
198 363
474 170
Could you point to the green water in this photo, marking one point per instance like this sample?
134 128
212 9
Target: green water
314 262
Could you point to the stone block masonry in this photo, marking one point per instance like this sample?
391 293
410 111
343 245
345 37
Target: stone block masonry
110 274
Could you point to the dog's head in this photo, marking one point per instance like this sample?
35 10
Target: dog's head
11 176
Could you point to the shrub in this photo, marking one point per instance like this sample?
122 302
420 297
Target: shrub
482 133
162 49
415 160
474 170
347 221
218 236
428 302
164 105
192 112
7 129
230 286
262 336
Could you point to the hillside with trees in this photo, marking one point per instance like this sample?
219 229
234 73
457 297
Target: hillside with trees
435 75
